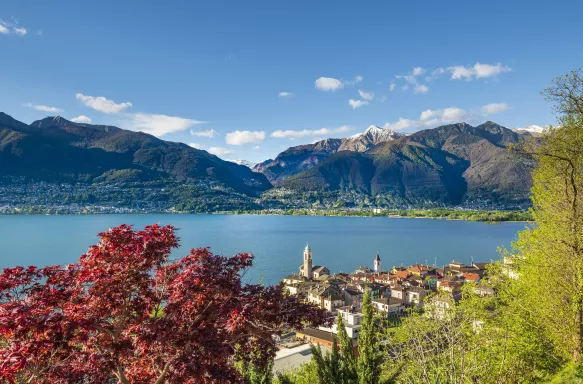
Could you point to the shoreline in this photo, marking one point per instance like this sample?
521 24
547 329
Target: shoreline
485 216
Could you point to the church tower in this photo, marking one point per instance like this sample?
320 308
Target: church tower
377 263
307 272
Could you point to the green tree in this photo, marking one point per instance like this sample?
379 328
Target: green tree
547 259
305 374
349 365
369 357
328 366
254 373
339 366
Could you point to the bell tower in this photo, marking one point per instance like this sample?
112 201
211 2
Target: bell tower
377 263
307 272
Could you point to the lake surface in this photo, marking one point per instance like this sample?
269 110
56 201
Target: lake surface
340 243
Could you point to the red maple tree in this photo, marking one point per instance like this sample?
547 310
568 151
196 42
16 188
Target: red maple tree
127 313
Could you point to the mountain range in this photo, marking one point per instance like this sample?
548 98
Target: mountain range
57 150
456 164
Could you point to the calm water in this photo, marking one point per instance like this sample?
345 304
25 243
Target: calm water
340 243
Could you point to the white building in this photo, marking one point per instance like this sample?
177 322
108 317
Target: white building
352 317
390 305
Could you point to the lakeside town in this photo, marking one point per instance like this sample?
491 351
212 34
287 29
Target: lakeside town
394 293
21 196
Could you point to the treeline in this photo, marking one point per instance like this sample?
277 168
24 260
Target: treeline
438 213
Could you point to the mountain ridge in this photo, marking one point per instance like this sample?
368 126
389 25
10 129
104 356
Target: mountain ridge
454 164
451 164
51 149
302 157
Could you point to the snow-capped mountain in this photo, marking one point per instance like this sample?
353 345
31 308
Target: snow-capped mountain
246 163
531 129
303 157
372 136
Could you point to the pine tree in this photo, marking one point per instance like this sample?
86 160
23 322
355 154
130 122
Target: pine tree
335 365
349 375
369 359
321 364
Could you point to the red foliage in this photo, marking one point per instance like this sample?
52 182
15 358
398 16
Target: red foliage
126 313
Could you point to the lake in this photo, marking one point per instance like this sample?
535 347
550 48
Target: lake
340 243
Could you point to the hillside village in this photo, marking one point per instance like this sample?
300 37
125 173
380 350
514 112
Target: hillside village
393 292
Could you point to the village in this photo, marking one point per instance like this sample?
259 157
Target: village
393 293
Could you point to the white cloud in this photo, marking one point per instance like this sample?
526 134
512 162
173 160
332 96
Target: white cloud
257 147
434 117
286 94
430 118
43 108
12 27
81 119
20 31
491 109
412 76
477 71
409 78
290 134
332 84
461 72
401 124
102 104
420 88
244 137
487 70
210 133
357 103
418 71
217 151
392 87
220 152
328 84
435 74
453 115
429 114
356 80
366 95
159 125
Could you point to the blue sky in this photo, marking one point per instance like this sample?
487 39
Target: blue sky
247 79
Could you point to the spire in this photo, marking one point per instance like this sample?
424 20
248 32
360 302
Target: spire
377 258
307 247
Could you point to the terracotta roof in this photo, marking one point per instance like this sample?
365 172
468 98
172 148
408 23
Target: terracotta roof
468 276
402 274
